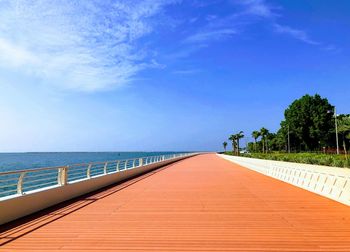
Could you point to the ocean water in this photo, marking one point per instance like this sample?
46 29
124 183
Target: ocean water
30 160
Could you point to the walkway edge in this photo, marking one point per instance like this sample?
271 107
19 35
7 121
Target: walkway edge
330 182
23 205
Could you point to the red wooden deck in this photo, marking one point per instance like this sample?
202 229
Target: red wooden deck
202 203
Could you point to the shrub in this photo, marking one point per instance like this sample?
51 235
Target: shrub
307 158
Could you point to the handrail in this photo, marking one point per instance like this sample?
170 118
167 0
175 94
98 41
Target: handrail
81 164
16 183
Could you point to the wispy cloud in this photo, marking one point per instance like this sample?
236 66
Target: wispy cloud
223 27
80 45
186 71
262 9
257 8
294 33
332 48
210 35
184 51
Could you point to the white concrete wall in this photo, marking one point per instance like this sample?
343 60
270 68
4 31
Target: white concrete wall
31 202
331 182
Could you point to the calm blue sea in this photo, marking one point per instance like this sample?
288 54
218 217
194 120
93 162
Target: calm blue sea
29 160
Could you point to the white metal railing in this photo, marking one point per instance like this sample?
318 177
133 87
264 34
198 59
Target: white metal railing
23 181
331 182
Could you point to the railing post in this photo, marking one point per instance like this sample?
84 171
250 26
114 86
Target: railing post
126 165
88 171
141 162
20 183
105 168
117 168
62 177
133 163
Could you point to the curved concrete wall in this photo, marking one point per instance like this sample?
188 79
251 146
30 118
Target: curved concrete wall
34 201
331 182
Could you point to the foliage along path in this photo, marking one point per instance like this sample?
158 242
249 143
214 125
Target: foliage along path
202 203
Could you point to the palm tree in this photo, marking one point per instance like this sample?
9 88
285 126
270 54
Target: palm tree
232 138
255 135
239 136
225 145
344 129
264 132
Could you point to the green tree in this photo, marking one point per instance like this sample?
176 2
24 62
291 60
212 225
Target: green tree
274 141
264 132
344 130
251 147
255 135
310 121
225 145
232 138
239 136
281 139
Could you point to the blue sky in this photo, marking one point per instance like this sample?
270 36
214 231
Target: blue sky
163 75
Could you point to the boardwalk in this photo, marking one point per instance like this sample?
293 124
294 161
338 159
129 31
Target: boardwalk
202 203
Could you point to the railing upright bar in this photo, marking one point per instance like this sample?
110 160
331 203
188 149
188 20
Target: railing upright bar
62 176
117 166
105 168
20 183
65 175
88 171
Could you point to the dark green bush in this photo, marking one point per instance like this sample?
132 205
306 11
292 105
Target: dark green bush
306 158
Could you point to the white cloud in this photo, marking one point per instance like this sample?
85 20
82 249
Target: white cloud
210 35
256 7
262 9
15 56
186 71
76 44
295 33
331 48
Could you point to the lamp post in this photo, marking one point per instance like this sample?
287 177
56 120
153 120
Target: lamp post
288 140
336 128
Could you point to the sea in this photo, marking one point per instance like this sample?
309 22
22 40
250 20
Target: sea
30 160
43 178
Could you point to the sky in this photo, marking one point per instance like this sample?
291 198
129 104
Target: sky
163 75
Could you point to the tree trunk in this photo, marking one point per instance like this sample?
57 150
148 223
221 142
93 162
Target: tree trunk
237 147
345 151
254 144
263 145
